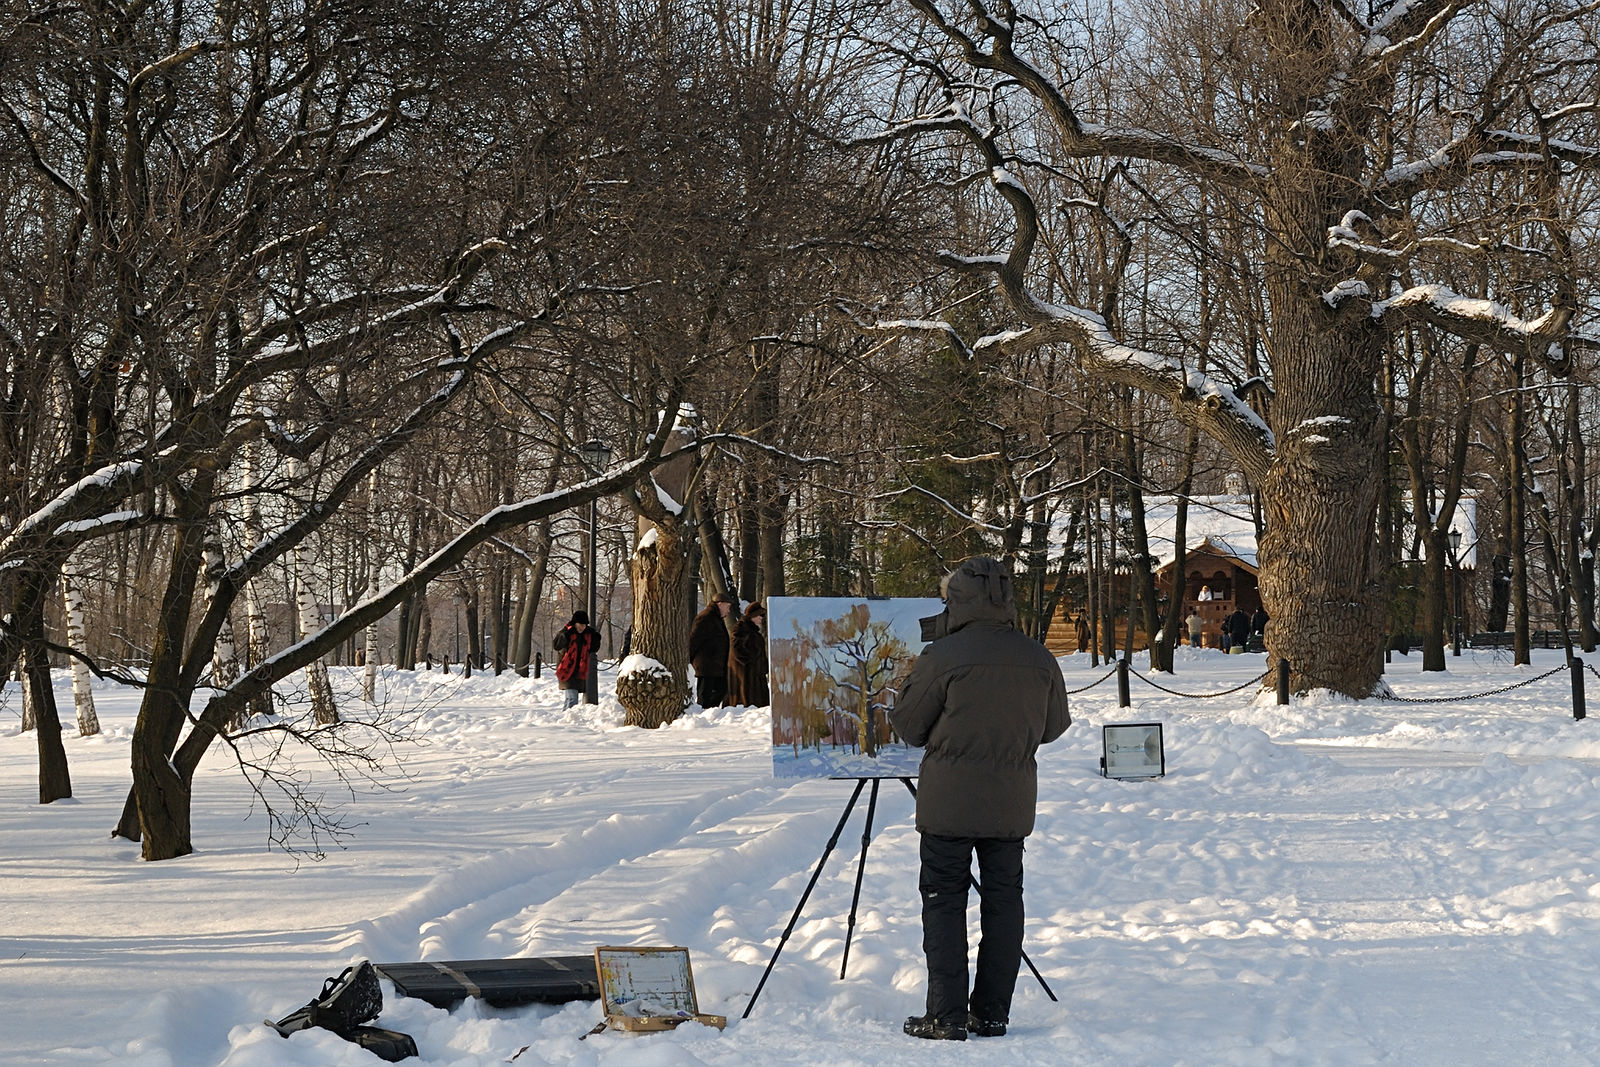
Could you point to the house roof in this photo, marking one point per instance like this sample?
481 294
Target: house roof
1222 524
1214 547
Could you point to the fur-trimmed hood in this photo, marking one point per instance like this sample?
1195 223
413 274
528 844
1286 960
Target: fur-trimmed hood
980 590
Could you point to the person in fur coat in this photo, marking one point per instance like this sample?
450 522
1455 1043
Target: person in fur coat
747 660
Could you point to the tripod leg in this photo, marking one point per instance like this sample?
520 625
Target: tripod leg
787 930
861 869
1042 983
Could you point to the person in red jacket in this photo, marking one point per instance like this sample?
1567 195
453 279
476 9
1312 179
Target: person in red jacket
578 645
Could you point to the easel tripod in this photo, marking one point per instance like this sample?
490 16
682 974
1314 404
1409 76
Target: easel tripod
855 900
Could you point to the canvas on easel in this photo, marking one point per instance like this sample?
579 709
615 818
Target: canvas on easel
649 988
836 667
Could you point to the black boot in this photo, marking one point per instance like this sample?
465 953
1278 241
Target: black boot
935 1029
984 1027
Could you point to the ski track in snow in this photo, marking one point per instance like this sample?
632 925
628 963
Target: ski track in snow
1332 882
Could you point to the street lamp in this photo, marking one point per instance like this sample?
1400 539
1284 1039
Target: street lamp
1455 566
597 457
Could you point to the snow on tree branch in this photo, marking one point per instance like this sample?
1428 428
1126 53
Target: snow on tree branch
1482 321
1407 28
1347 236
964 516
1212 405
936 328
770 449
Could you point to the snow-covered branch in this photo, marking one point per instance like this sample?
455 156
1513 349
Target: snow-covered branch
796 458
1407 28
964 516
1198 398
1483 321
931 328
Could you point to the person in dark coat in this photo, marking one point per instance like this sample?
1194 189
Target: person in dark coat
1238 626
1080 630
708 651
747 660
1258 622
578 645
981 699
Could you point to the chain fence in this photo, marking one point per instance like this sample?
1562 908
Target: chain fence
1479 696
1152 683
1578 710
1091 685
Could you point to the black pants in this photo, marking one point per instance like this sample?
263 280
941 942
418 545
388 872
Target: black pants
711 690
946 873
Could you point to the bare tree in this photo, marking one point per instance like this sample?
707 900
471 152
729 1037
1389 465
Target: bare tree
1339 140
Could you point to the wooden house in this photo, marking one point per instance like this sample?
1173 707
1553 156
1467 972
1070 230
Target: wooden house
1219 564
1220 567
1217 580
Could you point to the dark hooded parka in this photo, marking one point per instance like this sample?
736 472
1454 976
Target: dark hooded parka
981 700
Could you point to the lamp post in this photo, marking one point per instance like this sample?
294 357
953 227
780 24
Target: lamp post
596 456
1455 566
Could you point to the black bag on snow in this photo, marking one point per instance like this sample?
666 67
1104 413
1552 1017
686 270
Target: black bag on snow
348 1000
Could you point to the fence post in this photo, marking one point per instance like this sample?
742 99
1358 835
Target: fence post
1122 683
1283 681
538 664
1578 710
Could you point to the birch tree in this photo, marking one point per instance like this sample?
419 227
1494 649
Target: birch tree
82 677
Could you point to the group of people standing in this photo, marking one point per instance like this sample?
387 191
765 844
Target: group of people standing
1237 628
729 654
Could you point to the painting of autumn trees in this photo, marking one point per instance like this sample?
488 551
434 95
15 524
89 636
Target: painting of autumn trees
837 664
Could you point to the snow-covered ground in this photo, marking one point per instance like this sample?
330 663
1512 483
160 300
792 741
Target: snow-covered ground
1330 882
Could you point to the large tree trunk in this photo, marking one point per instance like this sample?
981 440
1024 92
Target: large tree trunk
1320 495
157 812
655 697
39 698
654 689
